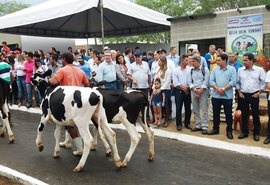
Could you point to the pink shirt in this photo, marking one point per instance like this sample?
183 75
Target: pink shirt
28 69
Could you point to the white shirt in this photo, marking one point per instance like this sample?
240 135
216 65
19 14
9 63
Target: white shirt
166 81
140 73
180 76
155 66
19 67
250 81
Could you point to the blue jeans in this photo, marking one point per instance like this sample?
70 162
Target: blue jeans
21 87
181 98
29 92
120 85
37 96
110 85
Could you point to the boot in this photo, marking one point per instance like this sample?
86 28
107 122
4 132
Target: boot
67 142
166 123
79 144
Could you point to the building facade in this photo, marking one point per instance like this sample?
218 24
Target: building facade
204 30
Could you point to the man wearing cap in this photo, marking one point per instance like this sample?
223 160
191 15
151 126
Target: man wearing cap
106 48
107 71
85 67
139 74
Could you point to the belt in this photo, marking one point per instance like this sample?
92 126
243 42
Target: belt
140 88
110 82
249 93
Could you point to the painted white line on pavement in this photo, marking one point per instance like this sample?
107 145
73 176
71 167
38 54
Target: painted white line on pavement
19 177
244 149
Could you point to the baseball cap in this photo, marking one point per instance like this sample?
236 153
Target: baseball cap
16 52
106 48
137 53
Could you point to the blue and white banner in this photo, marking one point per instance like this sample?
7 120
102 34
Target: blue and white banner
245 34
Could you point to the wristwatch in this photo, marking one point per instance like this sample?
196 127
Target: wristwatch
223 89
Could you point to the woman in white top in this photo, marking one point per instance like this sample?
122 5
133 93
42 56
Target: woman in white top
18 69
164 73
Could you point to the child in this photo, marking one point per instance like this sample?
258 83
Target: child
158 101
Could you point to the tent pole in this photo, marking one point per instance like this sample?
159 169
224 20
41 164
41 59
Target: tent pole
102 24
87 44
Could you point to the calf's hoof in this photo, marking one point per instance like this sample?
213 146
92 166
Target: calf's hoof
94 147
150 156
77 169
118 164
2 134
40 147
11 139
108 152
56 154
124 164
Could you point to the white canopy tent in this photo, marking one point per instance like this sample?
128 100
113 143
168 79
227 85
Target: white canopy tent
83 19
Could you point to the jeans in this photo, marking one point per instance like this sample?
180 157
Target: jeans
110 85
37 96
29 93
227 105
182 98
244 104
120 85
21 87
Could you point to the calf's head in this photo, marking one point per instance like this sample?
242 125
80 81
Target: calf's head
39 82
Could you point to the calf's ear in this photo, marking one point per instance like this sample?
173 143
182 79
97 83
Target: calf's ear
47 73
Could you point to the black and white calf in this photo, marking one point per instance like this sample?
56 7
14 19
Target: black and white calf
125 107
4 111
70 105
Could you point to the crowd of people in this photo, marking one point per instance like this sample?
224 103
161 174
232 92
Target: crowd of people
191 78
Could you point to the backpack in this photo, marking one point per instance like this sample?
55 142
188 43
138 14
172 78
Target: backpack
202 70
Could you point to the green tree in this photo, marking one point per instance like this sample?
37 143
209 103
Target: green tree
176 8
11 6
169 7
207 6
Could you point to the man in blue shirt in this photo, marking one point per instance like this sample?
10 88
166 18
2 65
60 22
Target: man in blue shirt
107 71
222 79
85 67
173 56
234 62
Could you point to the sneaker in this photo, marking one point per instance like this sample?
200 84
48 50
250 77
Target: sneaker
28 105
195 129
204 132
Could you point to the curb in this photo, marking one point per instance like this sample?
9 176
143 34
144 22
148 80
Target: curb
19 177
